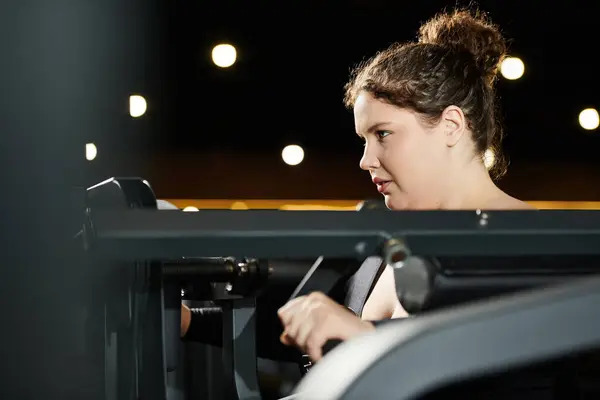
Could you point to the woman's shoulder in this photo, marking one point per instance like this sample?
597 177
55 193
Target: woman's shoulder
507 202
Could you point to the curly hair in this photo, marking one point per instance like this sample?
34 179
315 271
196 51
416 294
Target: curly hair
454 62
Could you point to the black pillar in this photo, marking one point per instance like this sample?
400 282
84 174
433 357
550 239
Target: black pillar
65 70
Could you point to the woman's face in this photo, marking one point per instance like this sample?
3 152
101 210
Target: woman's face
408 160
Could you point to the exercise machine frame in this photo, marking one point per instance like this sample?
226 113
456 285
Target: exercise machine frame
153 236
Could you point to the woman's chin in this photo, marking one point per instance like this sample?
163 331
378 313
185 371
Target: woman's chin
394 203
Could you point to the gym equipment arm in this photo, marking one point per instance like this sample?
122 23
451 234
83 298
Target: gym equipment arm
408 359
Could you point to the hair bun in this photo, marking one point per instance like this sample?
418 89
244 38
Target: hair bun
471 32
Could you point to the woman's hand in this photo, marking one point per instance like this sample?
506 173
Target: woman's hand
310 321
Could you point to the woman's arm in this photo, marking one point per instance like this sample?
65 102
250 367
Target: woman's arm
383 302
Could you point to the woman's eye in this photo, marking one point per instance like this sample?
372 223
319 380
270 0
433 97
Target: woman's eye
381 134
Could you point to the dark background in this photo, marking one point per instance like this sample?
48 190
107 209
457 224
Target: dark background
68 67
218 133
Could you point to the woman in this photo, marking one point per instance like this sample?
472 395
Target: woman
427 114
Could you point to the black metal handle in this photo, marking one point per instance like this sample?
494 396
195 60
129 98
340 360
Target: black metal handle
306 362
330 345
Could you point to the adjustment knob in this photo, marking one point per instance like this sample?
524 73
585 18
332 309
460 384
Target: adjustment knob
415 278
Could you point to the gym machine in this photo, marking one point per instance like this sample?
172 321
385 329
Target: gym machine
143 255
417 357
136 304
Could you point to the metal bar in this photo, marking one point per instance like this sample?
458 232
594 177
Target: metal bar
141 234
153 371
216 269
324 275
148 222
171 323
239 348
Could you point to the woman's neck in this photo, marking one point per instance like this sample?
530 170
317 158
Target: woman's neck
470 188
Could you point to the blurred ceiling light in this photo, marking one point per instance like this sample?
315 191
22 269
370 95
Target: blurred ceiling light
292 154
589 119
512 68
90 151
137 106
224 55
